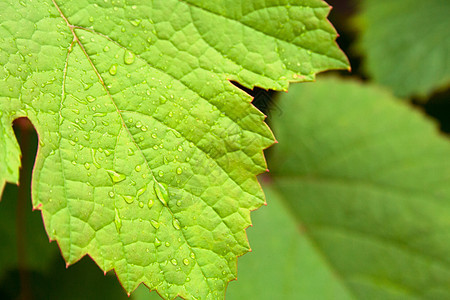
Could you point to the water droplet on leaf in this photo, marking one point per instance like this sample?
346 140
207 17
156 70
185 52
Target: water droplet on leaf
176 224
141 191
116 177
117 220
150 203
128 199
113 69
128 57
135 22
155 224
161 192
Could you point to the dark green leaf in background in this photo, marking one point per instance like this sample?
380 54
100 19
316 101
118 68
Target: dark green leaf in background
284 263
406 44
367 178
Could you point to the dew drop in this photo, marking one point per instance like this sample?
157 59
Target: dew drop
111 194
186 261
167 244
162 100
135 22
141 191
174 262
138 168
179 171
117 221
176 224
113 69
87 166
106 49
161 192
155 224
128 199
150 203
179 203
94 161
192 255
161 173
116 177
128 57
141 204
157 242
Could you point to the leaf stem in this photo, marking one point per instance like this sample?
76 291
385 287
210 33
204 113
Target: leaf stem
25 129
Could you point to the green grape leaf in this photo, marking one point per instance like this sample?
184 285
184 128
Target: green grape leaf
366 177
405 44
148 154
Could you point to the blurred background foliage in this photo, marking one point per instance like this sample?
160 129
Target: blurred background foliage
359 190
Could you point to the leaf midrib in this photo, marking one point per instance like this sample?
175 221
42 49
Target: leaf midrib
71 27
